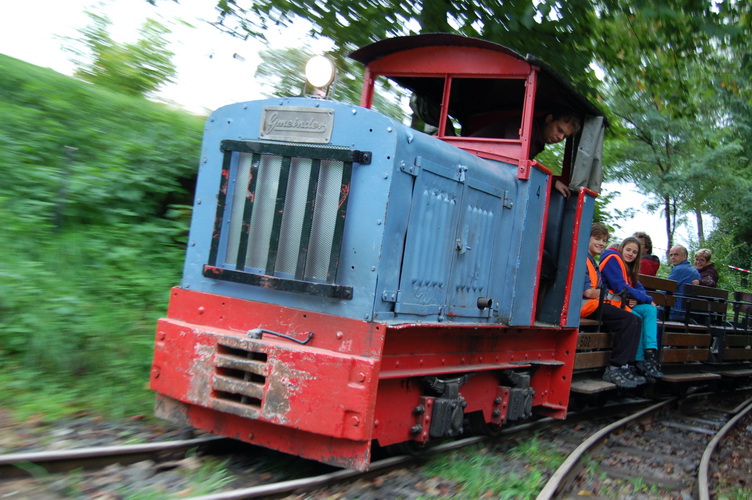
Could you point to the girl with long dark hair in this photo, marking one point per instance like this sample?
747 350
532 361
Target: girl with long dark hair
619 271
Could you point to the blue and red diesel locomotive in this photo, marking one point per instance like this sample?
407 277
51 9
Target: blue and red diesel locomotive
350 280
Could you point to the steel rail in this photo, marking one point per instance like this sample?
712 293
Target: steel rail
13 465
569 466
307 484
703 485
310 483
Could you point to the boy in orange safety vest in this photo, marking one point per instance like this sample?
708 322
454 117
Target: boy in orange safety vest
624 325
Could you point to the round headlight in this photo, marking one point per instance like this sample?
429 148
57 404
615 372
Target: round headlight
319 71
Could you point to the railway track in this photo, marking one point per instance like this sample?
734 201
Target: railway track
26 475
321 479
664 450
40 467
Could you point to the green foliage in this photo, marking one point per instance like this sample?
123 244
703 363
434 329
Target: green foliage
486 474
670 70
132 68
187 479
728 250
209 478
731 492
93 239
540 28
95 155
677 76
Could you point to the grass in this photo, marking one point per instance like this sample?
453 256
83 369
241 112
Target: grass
483 472
209 478
189 479
28 393
726 491
77 317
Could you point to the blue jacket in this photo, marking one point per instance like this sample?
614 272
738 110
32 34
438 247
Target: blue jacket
682 273
613 277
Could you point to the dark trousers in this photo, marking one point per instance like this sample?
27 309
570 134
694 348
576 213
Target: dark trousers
626 328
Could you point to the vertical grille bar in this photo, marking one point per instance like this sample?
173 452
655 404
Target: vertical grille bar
284 224
247 212
221 202
305 235
279 209
339 227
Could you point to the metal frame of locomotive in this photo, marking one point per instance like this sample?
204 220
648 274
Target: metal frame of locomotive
350 280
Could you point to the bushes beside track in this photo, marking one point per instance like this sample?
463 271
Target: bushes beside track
95 205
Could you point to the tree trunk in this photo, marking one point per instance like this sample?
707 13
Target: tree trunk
669 232
700 232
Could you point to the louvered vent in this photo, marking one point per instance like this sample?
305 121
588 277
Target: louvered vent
281 215
239 379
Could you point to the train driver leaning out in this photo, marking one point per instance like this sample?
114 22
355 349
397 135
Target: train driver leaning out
552 128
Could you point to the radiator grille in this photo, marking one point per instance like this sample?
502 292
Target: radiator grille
286 206
240 376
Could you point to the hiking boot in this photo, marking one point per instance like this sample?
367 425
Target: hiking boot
639 379
621 377
649 368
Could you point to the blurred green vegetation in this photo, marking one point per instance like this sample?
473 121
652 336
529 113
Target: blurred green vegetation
481 471
95 205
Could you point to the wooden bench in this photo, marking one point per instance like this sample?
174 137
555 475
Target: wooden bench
679 342
737 341
593 353
704 305
741 308
593 347
662 291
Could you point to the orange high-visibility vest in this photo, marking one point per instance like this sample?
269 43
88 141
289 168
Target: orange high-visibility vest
590 305
617 300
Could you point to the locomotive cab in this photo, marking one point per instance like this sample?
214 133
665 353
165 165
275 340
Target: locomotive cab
460 88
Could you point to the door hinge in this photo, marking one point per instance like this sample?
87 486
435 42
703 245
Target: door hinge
508 203
461 173
413 169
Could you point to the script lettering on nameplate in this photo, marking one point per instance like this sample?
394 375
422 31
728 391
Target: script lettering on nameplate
297 124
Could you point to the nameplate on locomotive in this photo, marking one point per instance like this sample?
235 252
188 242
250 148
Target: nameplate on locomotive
297 124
